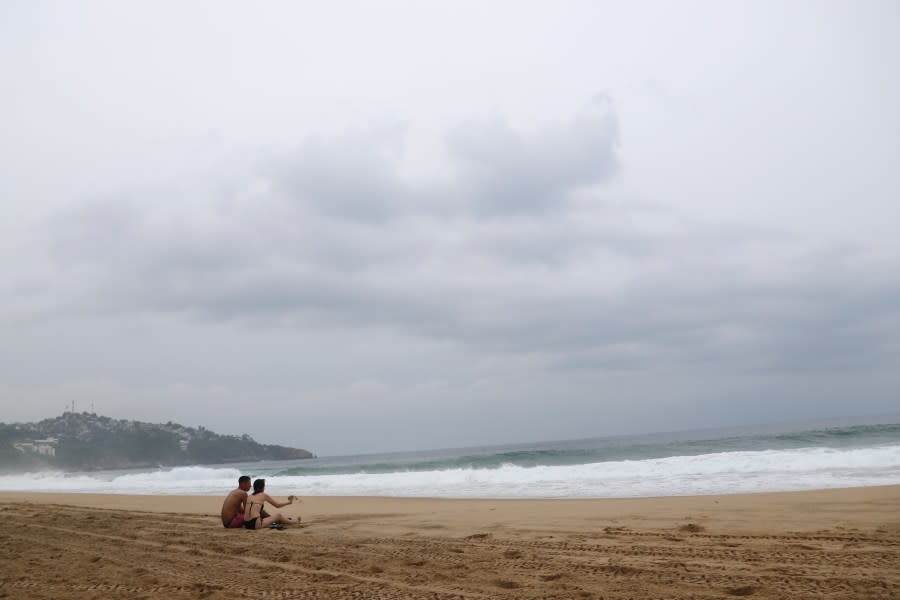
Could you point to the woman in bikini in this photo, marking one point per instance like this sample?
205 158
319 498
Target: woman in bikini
253 508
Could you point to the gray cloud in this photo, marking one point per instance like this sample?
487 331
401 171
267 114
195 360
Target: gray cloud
509 173
352 178
530 262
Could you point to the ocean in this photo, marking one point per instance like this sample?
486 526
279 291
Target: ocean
724 461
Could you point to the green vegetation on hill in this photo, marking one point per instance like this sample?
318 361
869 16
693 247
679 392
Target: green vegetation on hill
82 441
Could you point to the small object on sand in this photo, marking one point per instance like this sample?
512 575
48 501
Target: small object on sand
276 526
293 498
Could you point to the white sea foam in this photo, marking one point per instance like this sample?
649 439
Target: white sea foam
719 473
181 480
681 475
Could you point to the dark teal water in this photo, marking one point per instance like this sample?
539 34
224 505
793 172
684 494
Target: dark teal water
599 450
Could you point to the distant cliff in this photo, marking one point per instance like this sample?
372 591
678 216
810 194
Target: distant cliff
86 441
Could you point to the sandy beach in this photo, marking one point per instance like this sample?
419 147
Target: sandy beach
820 544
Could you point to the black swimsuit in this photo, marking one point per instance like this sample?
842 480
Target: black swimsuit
251 524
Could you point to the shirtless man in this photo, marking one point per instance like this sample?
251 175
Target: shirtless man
233 507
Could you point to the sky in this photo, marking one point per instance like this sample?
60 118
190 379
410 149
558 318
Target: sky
358 227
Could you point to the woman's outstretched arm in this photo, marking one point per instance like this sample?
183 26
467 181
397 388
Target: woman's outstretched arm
277 504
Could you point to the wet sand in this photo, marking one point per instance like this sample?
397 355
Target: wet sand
821 544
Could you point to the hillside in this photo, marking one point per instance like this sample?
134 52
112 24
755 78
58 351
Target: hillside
87 441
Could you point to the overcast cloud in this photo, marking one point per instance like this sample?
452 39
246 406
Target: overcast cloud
450 227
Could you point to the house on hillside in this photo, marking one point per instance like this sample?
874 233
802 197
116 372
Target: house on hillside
45 447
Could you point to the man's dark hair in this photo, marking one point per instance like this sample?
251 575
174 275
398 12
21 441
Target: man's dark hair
243 478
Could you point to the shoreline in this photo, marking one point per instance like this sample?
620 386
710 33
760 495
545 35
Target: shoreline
838 543
780 510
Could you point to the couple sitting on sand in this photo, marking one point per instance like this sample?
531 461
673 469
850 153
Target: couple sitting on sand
241 510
